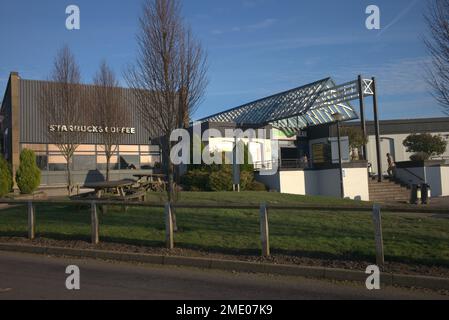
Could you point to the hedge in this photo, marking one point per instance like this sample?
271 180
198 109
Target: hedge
6 182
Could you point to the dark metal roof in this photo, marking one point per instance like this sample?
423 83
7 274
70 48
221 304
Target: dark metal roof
408 126
308 105
34 126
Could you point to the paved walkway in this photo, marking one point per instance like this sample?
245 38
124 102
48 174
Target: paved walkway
440 202
24 276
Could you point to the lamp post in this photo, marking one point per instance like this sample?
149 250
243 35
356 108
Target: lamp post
338 118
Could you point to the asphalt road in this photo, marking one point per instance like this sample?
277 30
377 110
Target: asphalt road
24 276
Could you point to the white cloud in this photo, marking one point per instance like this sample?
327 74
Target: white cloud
398 17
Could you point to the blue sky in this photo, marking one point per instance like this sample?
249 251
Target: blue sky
255 47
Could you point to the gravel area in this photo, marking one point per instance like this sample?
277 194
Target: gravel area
392 267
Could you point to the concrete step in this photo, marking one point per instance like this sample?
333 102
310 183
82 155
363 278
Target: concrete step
372 198
388 190
387 184
391 192
384 195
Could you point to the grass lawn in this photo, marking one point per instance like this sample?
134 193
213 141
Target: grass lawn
408 238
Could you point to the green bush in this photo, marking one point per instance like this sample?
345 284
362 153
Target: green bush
6 183
196 180
218 177
246 180
28 176
425 145
257 186
419 156
248 165
221 180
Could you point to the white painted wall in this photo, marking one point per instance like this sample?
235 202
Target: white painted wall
392 143
445 181
320 182
356 183
292 182
437 177
260 149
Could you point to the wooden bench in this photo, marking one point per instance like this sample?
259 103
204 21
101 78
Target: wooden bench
135 195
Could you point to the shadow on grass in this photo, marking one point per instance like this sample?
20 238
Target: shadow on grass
14 234
243 252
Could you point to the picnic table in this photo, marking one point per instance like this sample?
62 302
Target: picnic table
152 181
120 188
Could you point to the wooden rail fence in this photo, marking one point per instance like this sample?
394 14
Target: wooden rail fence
263 217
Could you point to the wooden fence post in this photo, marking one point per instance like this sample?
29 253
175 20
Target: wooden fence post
95 224
264 230
169 227
377 219
31 221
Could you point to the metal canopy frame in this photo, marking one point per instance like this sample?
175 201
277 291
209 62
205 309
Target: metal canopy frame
296 109
309 105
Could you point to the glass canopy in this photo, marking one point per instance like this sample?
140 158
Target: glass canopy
296 109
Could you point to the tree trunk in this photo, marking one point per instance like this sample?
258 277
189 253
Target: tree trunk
69 178
168 166
108 162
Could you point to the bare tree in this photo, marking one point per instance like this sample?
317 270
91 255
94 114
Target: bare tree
169 78
437 20
63 108
109 111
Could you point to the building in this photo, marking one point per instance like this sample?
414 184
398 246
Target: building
303 123
23 126
394 132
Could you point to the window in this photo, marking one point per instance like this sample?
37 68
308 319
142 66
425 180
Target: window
84 163
93 157
129 162
101 162
35 147
86 149
42 161
56 162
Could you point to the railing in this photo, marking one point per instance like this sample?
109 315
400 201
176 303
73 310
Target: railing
282 164
414 175
263 209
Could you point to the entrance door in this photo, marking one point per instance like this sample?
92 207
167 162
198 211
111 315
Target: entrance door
387 146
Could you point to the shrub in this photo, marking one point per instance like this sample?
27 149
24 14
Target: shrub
246 180
218 177
248 165
221 180
28 176
6 183
356 137
419 156
425 145
196 180
257 186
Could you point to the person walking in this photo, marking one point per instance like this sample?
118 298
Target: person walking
391 165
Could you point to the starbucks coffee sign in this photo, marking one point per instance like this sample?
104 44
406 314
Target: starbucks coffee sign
91 129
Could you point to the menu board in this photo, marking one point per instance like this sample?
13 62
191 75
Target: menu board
318 153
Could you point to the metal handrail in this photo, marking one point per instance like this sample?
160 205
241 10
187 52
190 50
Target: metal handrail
413 174
283 164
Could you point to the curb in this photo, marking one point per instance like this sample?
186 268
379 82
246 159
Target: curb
388 279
